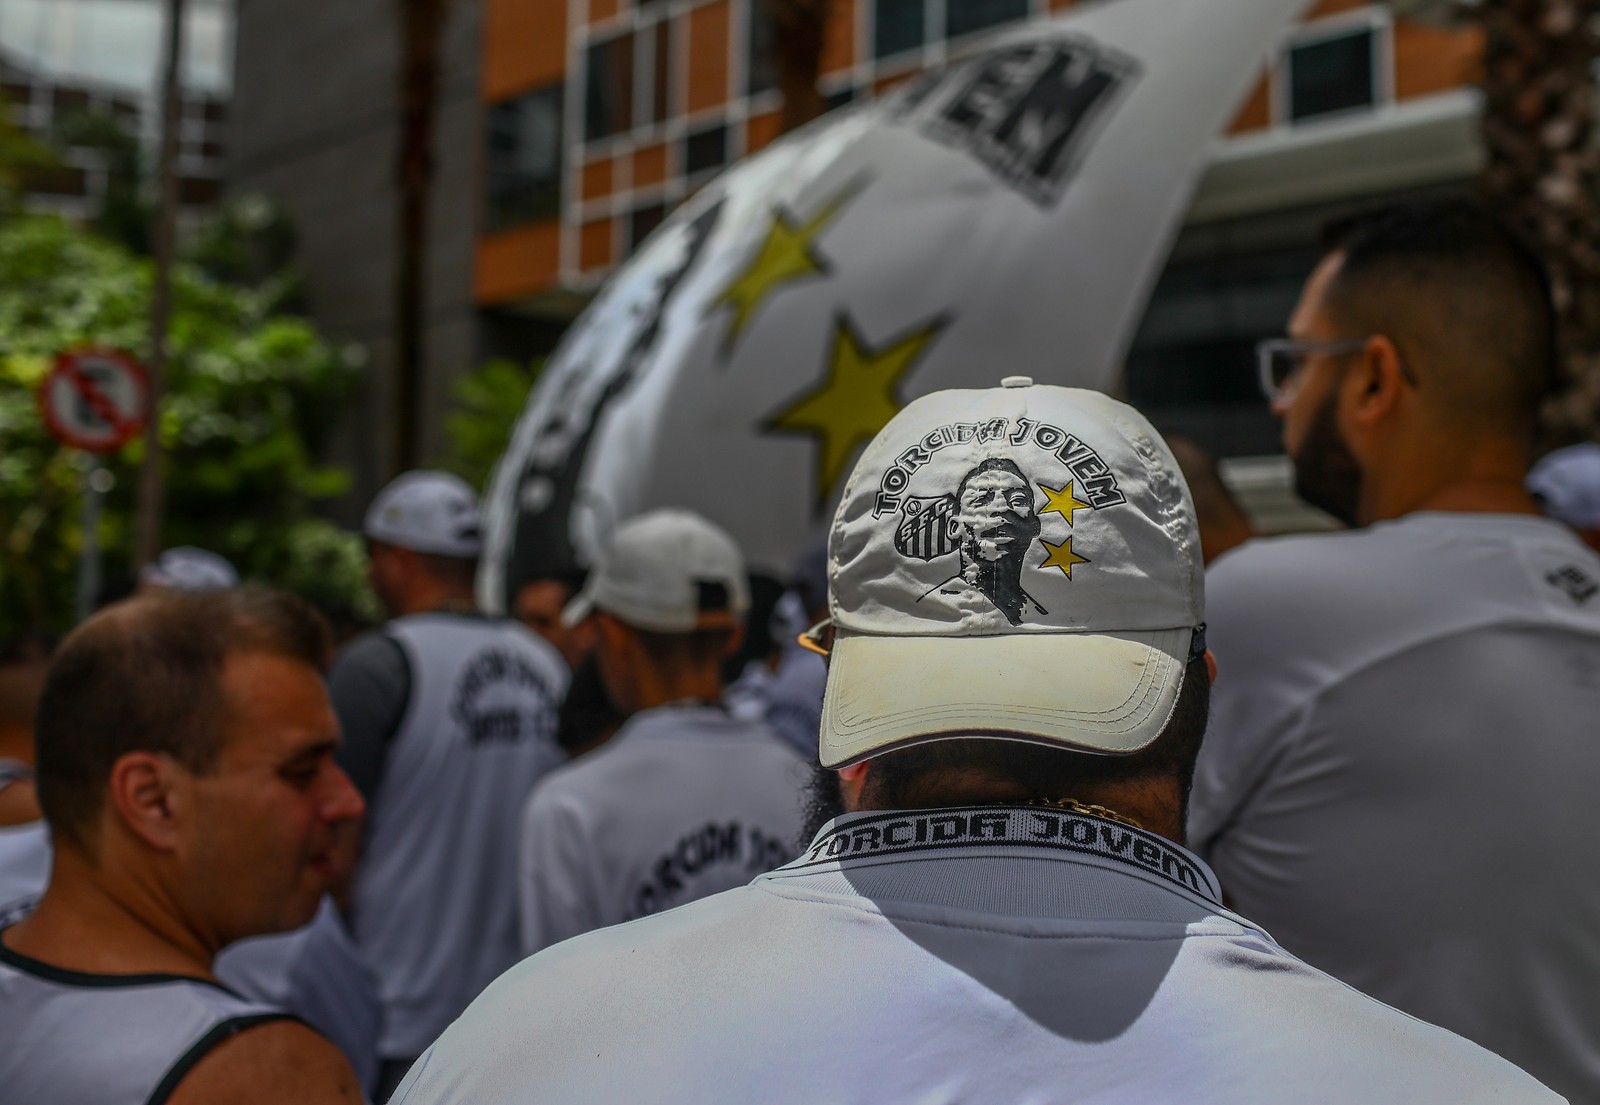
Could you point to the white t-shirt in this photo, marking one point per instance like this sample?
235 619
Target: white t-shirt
996 954
24 863
1399 781
683 802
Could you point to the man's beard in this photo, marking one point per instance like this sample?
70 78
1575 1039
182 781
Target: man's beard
824 802
1326 473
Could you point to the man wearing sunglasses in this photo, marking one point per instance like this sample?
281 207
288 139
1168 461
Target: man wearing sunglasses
1399 780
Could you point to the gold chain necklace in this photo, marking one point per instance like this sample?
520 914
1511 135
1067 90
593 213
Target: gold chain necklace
1074 806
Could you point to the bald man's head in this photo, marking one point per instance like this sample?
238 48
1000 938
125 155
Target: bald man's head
1465 301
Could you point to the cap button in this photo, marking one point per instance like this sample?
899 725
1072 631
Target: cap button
1017 382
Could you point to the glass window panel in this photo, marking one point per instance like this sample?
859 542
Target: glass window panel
762 74
965 16
523 177
897 26
608 99
1332 75
706 149
662 73
643 221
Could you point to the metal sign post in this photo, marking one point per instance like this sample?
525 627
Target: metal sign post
96 482
96 400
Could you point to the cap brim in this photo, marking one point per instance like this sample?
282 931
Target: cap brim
1095 692
579 607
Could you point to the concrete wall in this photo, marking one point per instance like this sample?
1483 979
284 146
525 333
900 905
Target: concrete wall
315 125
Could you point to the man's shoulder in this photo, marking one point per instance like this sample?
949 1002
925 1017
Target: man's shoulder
279 1060
1301 1017
1297 567
374 651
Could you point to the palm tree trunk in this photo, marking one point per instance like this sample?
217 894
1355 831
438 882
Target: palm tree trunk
797 38
1543 175
421 24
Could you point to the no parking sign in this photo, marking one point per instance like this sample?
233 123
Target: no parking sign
95 399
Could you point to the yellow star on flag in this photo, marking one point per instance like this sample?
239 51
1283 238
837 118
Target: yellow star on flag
1061 556
789 253
1062 501
855 401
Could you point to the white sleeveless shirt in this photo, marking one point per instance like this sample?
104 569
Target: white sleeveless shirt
92 1039
435 907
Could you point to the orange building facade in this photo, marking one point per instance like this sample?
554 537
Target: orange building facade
599 116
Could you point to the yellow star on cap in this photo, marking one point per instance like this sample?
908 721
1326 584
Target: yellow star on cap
789 253
1062 501
855 401
1062 556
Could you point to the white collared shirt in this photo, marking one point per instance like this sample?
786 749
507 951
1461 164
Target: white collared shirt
999 954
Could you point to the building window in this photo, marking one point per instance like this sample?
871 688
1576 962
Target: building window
761 76
524 159
608 95
965 16
643 221
898 26
1332 74
655 50
705 150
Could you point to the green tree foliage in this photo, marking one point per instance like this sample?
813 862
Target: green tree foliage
251 394
488 401
127 207
21 157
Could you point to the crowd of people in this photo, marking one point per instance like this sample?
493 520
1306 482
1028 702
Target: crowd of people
1045 779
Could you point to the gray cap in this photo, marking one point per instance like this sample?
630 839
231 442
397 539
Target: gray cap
186 568
430 512
1568 483
669 571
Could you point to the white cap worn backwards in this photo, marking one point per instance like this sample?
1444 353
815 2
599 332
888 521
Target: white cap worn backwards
1568 483
430 512
1022 563
186 568
668 571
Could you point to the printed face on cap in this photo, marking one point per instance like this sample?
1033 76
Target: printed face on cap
1022 562
1006 521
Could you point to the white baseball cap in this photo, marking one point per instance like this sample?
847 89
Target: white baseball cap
430 512
668 571
1568 483
186 568
1021 562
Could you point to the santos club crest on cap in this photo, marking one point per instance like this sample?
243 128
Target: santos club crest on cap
1021 561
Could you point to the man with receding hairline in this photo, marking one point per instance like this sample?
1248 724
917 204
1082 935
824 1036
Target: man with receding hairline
1399 780
185 768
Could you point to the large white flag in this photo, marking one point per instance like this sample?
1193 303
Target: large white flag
1003 215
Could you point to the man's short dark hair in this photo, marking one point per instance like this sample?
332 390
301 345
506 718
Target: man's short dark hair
145 675
1465 300
938 773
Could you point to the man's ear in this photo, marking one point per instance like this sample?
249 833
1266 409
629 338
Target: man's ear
1211 665
735 639
852 782
1377 381
147 792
